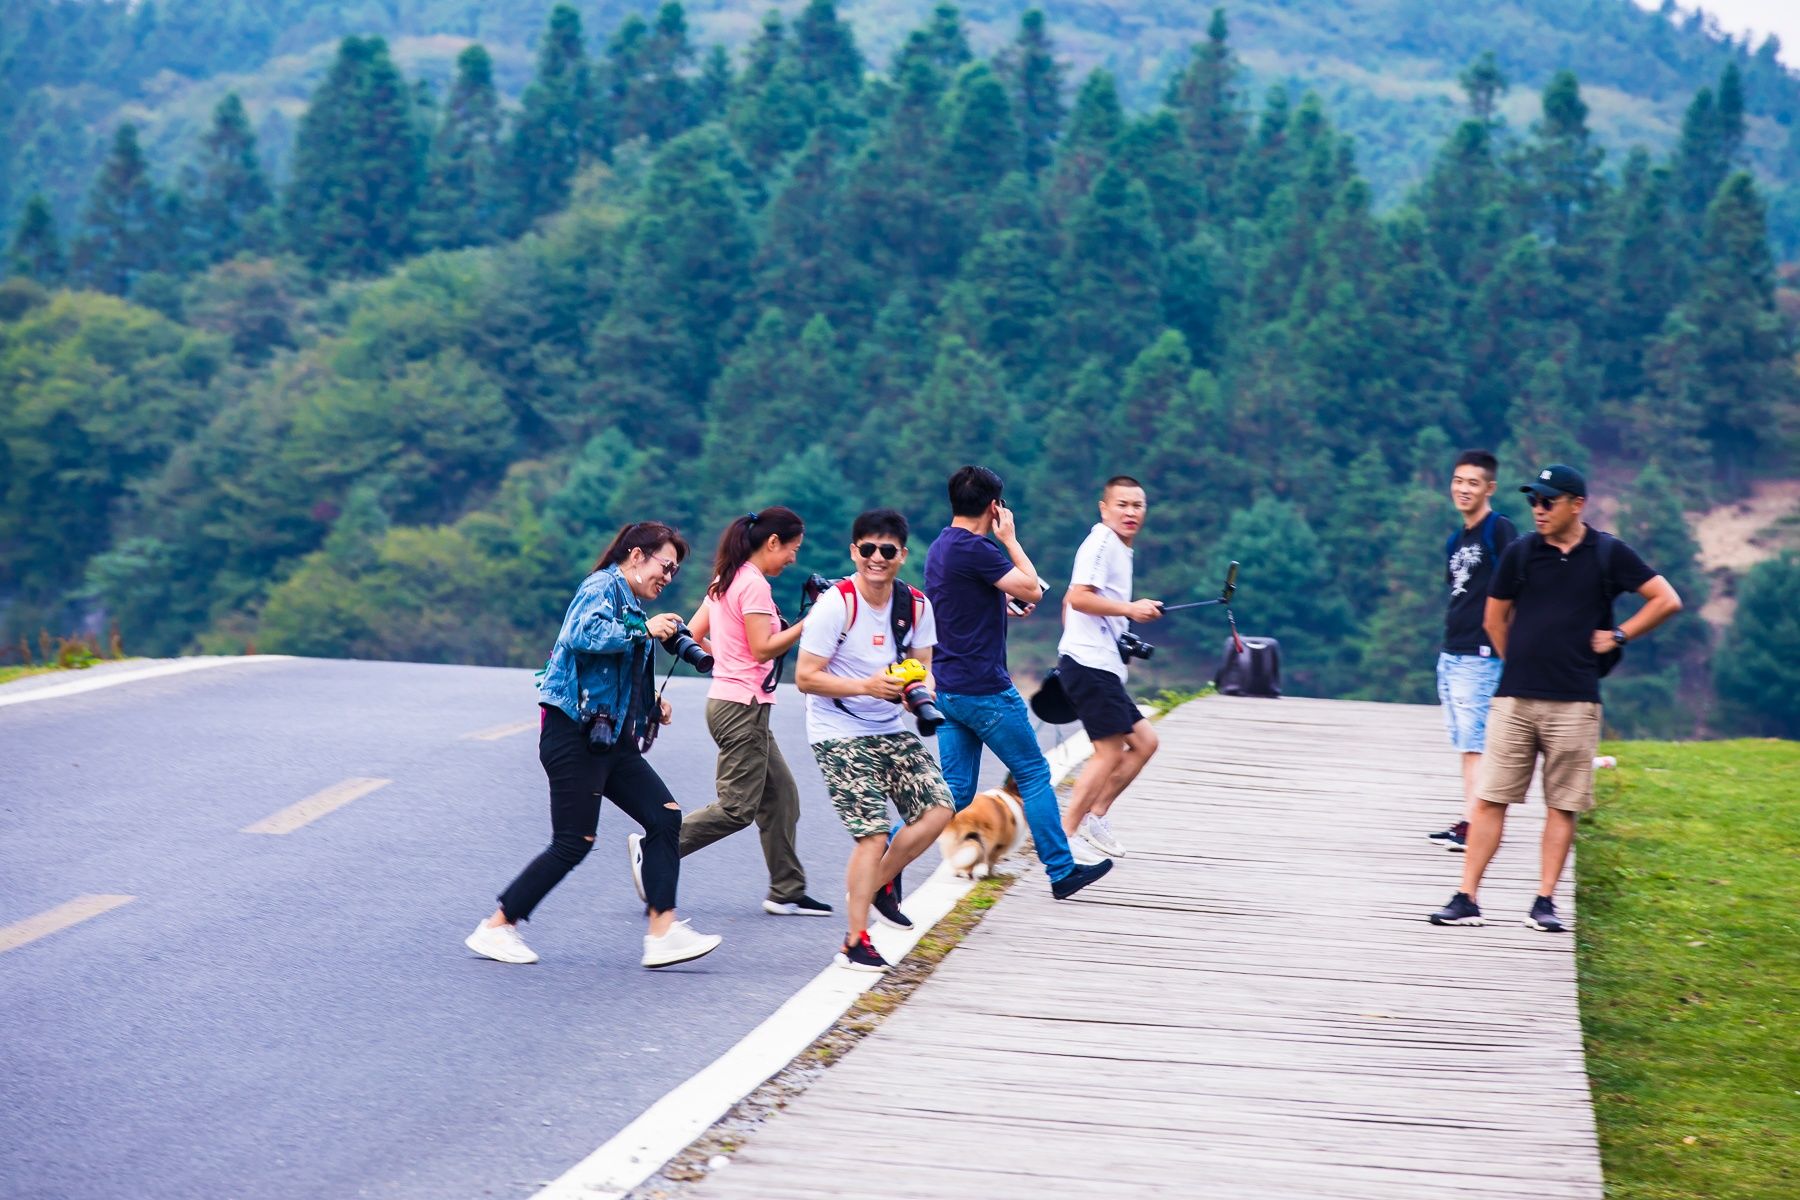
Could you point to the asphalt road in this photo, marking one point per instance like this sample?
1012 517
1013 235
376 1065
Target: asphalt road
295 1015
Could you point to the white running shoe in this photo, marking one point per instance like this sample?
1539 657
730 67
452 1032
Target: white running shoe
501 943
1100 833
1083 852
634 850
679 945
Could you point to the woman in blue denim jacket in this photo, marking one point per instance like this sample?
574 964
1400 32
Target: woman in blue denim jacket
597 702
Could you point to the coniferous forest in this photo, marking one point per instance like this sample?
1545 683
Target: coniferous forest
393 406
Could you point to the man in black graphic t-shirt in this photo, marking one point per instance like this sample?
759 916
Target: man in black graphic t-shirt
1550 618
1467 668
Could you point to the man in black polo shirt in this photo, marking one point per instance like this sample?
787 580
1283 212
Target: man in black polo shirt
1549 617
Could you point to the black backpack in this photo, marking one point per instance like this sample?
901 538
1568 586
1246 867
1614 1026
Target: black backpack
1252 667
1603 553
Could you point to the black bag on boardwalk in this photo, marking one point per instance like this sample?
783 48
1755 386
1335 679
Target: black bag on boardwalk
1254 670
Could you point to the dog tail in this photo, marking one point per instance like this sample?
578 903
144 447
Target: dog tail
1009 787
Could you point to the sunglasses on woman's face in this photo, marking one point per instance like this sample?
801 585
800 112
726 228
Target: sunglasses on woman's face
888 550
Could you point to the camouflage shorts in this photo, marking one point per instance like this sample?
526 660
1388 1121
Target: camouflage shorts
863 773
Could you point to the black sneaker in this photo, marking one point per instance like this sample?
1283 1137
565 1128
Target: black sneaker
860 955
887 908
1543 916
1454 839
805 906
1079 878
1460 911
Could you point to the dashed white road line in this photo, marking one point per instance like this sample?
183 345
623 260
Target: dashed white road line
305 812
113 678
54 920
667 1127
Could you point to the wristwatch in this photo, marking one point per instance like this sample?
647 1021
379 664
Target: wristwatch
1619 638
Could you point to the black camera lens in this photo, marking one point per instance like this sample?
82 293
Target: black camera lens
813 587
1132 646
682 645
923 705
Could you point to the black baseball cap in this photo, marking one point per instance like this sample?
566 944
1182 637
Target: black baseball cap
1557 479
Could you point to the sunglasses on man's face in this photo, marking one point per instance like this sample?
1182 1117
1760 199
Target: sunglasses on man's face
888 550
1544 502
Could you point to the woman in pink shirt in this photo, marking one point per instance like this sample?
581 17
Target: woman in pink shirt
743 624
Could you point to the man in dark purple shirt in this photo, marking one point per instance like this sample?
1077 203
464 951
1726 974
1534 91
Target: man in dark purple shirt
969 580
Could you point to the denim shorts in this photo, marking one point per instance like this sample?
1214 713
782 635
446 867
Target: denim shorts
1466 684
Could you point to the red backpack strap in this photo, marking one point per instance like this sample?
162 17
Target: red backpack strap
847 589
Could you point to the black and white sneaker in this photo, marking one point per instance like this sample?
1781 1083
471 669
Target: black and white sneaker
1454 839
861 955
1543 916
1460 911
887 908
805 906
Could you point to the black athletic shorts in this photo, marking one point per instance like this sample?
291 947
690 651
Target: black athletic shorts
1099 699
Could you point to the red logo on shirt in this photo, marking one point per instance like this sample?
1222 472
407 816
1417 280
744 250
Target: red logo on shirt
880 639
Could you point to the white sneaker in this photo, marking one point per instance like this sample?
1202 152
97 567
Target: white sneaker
1100 833
501 943
1083 852
634 850
679 945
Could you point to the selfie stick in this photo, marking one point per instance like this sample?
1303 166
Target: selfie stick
1223 598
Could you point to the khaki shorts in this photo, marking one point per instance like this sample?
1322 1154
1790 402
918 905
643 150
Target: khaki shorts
1565 732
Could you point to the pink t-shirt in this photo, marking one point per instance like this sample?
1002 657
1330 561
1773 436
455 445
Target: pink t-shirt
737 676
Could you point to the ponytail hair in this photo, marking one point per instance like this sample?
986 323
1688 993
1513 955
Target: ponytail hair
646 536
744 535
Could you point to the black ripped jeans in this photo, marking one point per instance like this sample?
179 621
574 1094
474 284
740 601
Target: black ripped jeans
578 779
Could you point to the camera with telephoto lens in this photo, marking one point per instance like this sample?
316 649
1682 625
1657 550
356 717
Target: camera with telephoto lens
812 587
916 696
1132 646
682 645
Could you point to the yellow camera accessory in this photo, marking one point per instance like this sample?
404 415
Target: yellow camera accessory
909 670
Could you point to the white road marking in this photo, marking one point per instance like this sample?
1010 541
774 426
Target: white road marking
318 804
112 678
54 920
667 1127
499 731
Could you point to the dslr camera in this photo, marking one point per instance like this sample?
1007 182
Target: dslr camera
916 696
682 645
1132 646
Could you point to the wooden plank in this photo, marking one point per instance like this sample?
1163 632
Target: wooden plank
1252 1003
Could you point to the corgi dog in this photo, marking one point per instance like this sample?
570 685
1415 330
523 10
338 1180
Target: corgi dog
989 829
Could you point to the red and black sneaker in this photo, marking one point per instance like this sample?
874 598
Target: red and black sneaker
886 903
859 954
1454 839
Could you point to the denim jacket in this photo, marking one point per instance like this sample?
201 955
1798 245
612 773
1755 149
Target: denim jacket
601 655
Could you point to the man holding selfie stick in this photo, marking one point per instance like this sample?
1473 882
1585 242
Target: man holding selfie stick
1099 609
970 580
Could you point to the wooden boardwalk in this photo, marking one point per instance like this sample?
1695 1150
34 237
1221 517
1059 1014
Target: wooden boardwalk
1251 1005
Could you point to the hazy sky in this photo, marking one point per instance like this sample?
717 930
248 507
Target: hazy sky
1780 17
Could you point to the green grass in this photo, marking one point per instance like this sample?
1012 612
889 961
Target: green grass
1689 936
8 674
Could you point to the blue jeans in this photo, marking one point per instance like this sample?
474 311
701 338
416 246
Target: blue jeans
1466 684
1003 724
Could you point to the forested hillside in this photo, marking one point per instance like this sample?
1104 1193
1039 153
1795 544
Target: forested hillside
392 406
72 70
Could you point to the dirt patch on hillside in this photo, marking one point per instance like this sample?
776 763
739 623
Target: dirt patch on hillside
1735 537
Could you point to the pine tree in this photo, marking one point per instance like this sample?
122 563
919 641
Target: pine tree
712 92
36 251
772 109
1003 296
962 413
644 89
1667 418
1641 694
1757 669
1712 137
900 221
825 52
1152 149
1747 371
1562 163
1205 99
981 142
1111 273
1086 147
1462 199
1035 80
1399 642
805 263
1285 590
358 165
1544 423
463 204
1484 83
555 129
121 235
234 209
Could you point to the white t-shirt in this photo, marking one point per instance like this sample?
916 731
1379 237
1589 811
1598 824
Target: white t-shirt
866 651
1104 564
